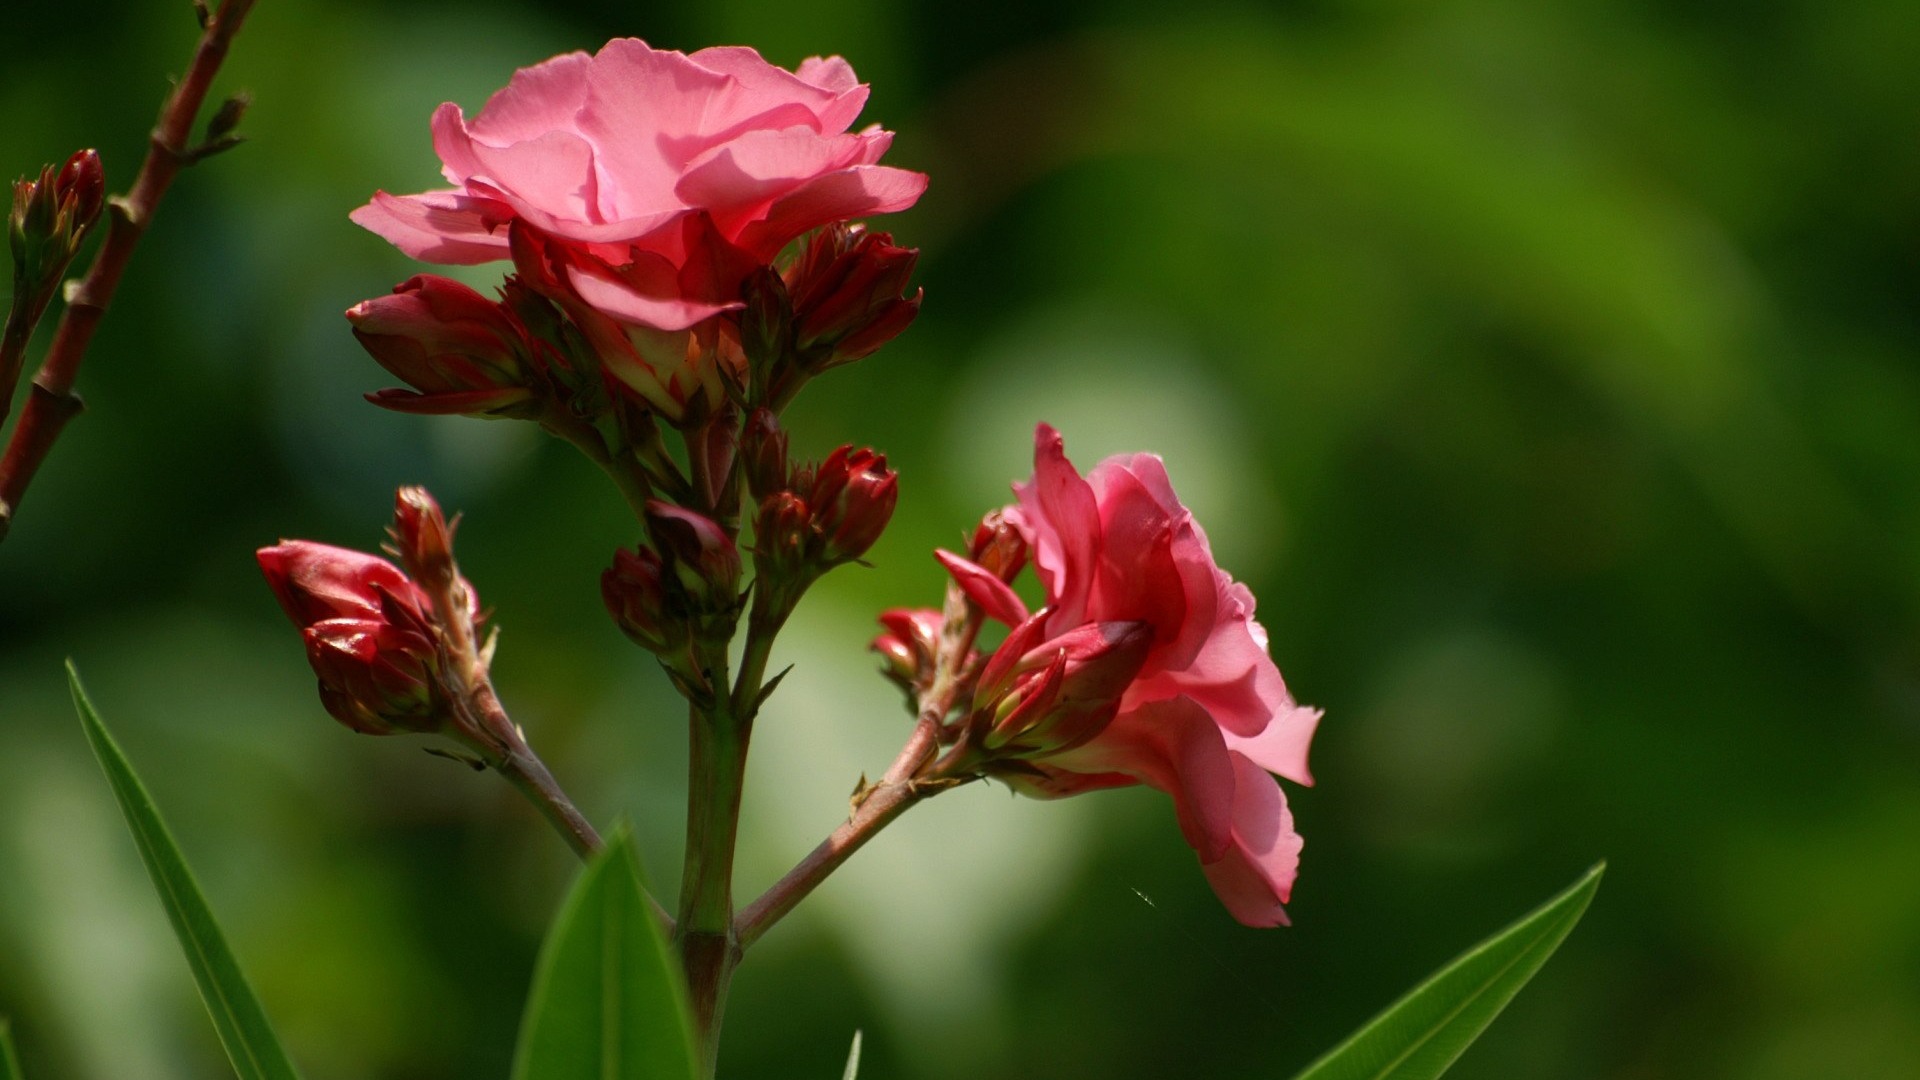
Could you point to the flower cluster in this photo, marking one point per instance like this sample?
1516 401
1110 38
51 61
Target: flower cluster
638 192
685 259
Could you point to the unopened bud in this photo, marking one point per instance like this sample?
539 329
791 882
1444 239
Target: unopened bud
639 598
422 538
369 633
763 453
459 351
51 215
909 646
783 537
766 329
853 495
847 294
227 118
997 547
375 677
698 553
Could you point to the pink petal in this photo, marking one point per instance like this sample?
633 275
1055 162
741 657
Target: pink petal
639 102
1173 746
538 99
1060 510
1282 747
829 90
1255 876
1137 576
985 588
553 173
445 227
738 179
648 296
860 191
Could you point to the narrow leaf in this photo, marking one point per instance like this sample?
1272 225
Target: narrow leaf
853 1060
9 1062
1420 1036
237 1016
606 1000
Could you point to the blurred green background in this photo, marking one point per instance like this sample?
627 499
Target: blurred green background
1549 371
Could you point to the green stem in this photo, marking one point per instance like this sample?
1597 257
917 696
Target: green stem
716 776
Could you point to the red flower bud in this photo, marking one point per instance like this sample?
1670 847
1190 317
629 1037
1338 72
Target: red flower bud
852 496
783 537
909 646
422 538
846 291
461 352
81 189
642 602
369 634
698 553
375 677
51 215
997 547
763 451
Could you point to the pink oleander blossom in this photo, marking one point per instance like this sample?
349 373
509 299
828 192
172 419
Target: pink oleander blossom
637 162
1206 718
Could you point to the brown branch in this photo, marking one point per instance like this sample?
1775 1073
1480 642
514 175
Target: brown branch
53 403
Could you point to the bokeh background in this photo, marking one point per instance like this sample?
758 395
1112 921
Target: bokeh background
1549 371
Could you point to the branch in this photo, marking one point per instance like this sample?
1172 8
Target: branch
53 403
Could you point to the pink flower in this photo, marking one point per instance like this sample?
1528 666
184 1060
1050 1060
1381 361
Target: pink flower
639 162
1206 717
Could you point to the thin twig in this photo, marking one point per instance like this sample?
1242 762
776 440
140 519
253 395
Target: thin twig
52 402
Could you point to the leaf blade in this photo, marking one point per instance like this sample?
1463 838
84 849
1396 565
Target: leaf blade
853 1060
9 1061
606 1000
238 1017
1422 1034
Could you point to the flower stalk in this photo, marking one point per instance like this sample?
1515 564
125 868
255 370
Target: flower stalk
52 402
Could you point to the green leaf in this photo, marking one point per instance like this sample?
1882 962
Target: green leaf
9 1062
606 1000
1421 1035
853 1060
237 1016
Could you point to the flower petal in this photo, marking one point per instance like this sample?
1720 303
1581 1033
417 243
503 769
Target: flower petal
1255 876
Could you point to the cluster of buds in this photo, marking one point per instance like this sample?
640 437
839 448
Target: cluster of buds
838 301
382 641
51 216
817 516
681 590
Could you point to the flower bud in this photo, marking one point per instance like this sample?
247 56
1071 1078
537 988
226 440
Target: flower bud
853 495
375 677
1060 693
642 604
909 646
783 539
997 547
422 538
763 451
698 554
846 292
458 350
50 217
766 329
369 633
